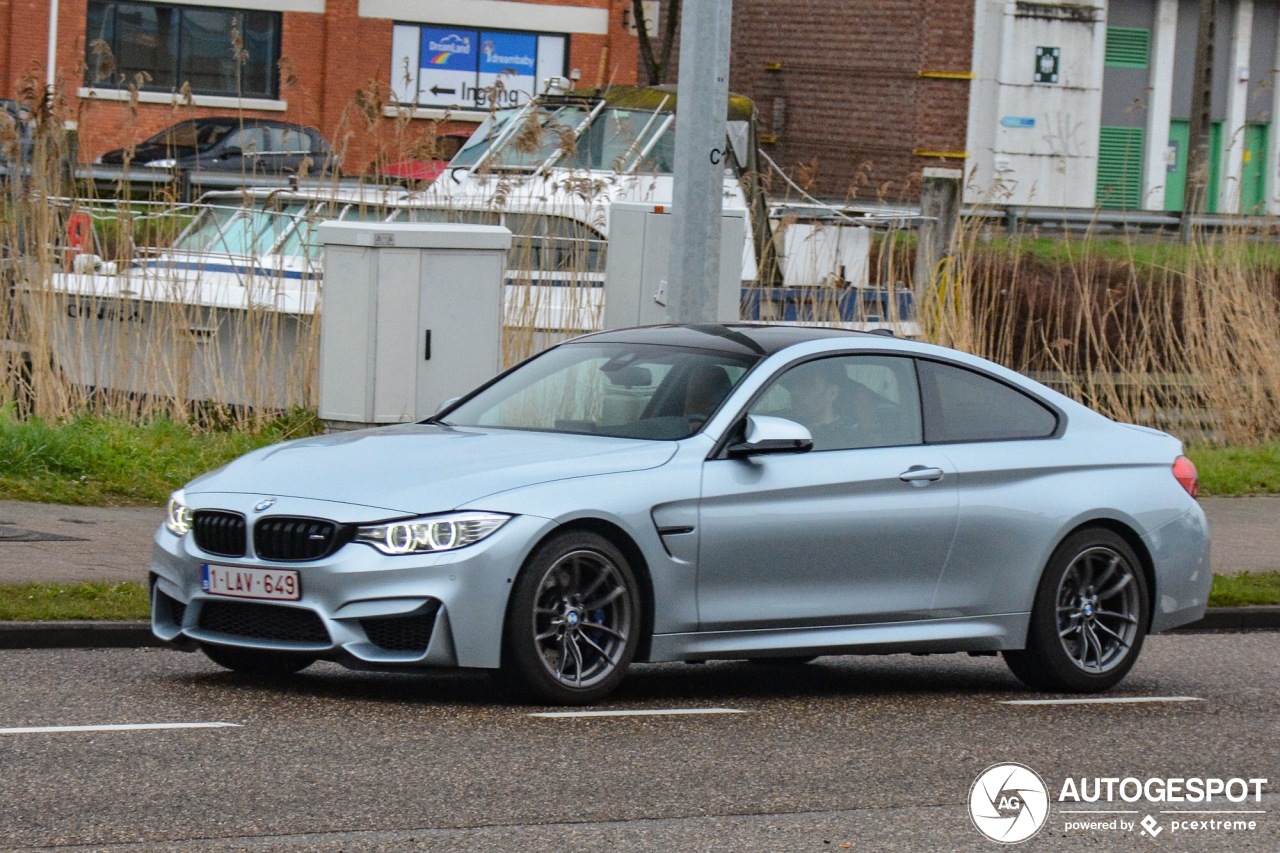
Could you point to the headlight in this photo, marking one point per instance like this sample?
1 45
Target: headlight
162 163
431 533
177 516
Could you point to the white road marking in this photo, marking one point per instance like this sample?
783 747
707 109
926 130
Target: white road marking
1118 700
665 712
130 727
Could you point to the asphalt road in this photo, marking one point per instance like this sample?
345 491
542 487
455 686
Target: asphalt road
845 753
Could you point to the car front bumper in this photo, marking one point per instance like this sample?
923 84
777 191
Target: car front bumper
357 607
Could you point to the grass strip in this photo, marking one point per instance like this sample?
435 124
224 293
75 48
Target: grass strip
1245 589
37 602
1238 470
107 461
55 602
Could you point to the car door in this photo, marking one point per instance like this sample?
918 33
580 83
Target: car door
1016 486
855 531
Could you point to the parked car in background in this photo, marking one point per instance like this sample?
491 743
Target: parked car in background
691 493
423 171
232 145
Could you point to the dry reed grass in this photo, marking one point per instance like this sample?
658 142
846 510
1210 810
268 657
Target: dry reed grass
1189 346
1186 340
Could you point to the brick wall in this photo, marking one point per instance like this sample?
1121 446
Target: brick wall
838 85
335 71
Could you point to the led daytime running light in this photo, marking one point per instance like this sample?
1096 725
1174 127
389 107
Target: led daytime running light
432 533
177 515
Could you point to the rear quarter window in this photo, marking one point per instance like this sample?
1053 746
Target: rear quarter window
965 405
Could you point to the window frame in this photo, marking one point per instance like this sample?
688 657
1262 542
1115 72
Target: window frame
107 11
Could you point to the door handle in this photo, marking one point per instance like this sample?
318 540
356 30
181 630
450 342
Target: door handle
918 475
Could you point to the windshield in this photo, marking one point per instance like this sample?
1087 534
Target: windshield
622 140
616 139
191 134
538 136
627 390
238 230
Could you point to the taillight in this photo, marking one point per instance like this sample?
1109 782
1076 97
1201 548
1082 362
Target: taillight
1184 471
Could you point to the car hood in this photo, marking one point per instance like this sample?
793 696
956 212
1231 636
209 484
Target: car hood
423 468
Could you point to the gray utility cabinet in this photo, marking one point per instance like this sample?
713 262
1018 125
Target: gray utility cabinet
636 289
411 316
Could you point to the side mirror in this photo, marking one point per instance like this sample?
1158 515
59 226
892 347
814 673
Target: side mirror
765 435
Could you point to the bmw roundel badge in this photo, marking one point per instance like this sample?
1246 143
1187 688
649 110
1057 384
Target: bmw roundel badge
264 505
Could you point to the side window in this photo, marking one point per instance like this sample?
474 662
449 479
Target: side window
964 405
849 402
290 140
250 140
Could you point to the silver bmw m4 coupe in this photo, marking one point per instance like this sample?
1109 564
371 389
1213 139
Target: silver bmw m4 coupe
691 493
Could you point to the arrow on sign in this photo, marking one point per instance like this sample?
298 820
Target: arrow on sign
436 90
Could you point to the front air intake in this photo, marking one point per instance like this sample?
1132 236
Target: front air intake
263 622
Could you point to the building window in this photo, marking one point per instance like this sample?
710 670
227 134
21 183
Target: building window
459 68
162 47
1128 47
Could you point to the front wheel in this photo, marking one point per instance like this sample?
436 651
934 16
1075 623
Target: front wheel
255 662
574 621
1089 618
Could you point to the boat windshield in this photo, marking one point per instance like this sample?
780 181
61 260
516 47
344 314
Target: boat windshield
621 140
523 140
235 230
286 228
626 141
541 242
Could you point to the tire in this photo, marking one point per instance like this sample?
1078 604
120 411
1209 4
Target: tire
1089 619
259 663
573 623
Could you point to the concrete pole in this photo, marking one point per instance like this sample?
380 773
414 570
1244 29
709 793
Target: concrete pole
940 196
702 99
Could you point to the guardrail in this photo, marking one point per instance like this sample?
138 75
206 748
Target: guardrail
191 185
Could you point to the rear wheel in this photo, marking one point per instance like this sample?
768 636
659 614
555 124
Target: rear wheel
574 621
1089 619
256 662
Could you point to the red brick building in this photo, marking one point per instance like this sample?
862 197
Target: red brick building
375 76
856 99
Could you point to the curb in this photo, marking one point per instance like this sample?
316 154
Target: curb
76 635
1227 619
133 635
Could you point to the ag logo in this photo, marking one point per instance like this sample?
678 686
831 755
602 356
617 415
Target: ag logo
1008 803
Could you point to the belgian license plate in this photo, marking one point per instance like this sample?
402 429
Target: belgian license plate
243 582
